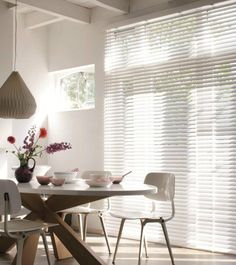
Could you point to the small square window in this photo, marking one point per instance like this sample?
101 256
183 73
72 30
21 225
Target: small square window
75 89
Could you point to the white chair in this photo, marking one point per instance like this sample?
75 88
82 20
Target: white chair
165 183
17 229
84 210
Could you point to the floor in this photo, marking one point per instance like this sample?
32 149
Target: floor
157 255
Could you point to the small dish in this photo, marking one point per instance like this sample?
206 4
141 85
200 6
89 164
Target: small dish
57 181
43 180
117 179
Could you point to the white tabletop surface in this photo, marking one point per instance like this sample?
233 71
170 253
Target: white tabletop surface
82 189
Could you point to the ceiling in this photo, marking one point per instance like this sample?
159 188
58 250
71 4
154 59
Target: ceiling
38 13
84 3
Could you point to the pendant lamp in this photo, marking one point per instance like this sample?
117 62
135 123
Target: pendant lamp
16 100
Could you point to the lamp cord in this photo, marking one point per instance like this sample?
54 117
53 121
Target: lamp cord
15 36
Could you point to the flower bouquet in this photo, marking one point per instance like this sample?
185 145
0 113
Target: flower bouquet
31 149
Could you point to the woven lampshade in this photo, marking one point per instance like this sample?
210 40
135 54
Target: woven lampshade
16 100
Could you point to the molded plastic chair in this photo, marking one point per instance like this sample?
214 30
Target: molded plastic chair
18 229
86 209
165 183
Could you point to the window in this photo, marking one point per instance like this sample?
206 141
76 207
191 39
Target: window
170 105
75 89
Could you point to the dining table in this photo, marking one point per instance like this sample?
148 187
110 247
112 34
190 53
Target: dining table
45 203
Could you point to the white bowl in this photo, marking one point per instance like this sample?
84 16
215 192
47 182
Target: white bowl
67 175
96 180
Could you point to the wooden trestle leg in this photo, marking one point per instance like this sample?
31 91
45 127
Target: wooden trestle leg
66 242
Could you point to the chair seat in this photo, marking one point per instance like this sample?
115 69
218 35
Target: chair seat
23 211
83 210
132 215
22 225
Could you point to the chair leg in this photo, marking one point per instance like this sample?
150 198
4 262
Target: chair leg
20 245
141 241
104 232
163 225
85 227
118 238
80 218
45 243
146 246
63 216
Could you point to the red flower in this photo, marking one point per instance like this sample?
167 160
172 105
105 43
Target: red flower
43 133
11 139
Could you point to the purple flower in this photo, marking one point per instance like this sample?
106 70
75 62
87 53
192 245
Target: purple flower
29 139
52 148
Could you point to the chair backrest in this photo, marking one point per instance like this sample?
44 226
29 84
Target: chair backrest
87 174
9 187
165 183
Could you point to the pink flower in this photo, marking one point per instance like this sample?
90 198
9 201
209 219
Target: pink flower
11 139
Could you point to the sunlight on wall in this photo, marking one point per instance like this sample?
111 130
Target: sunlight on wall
41 116
3 164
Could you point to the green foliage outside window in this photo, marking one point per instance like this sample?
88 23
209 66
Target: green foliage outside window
77 90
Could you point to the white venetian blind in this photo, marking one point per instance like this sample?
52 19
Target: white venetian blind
170 105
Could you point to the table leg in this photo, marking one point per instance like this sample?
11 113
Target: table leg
62 233
60 251
76 246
